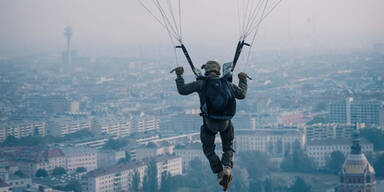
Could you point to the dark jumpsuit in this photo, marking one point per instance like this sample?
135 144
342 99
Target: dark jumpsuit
211 127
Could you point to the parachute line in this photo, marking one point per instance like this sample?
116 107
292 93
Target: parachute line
251 13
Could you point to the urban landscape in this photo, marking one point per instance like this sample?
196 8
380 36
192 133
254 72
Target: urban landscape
73 122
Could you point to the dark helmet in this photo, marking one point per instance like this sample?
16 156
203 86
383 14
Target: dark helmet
212 66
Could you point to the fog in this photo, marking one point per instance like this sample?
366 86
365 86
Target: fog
124 28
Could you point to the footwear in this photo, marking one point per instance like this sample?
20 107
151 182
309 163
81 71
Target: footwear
220 176
227 170
226 179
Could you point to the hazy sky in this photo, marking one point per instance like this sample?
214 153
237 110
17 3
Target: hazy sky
119 27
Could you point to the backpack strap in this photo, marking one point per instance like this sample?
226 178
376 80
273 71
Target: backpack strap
203 101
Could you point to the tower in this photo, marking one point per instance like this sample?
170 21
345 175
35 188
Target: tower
357 175
67 54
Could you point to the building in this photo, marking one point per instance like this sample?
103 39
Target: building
146 123
30 159
62 126
112 178
152 150
193 151
352 111
272 141
119 177
4 187
77 157
322 131
116 128
23 129
357 175
320 150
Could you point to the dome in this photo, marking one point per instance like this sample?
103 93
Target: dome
357 164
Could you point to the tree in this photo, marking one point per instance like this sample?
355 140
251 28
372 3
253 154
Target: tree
300 185
135 182
81 170
121 161
268 185
376 136
73 185
166 185
10 141
335 162
255 170
41 173
58 171
379 166
150 179
19 173
298 161
113 144
241 183
36 131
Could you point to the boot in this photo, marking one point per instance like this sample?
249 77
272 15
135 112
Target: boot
226 178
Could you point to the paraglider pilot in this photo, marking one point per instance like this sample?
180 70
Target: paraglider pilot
218 106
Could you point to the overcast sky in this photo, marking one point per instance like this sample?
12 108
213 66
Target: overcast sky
120 27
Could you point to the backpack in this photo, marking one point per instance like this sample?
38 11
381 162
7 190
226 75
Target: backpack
217 99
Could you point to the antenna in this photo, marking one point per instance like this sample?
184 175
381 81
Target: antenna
68 35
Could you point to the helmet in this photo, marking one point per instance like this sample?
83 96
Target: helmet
212 66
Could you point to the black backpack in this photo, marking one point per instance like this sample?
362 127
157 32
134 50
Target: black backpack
217 99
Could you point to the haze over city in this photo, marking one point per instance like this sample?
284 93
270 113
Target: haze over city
122 27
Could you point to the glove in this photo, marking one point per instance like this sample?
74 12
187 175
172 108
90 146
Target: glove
242 76
179 70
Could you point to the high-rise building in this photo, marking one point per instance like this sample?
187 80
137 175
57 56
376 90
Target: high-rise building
357 173
352 111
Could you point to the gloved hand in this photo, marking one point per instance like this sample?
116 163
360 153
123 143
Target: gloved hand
242 76
179 70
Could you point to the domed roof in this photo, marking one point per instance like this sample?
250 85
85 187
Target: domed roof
357 164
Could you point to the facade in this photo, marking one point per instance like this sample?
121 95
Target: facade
322 131
320 150
144 124
116 128
113 178
352 112
64 126
119 177
30 159
77 157
357 175
271 141
23 129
